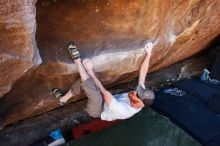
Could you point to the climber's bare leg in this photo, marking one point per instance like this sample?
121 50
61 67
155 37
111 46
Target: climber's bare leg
66 97
84 76
105 93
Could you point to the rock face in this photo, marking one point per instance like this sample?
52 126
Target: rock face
111 32
18 51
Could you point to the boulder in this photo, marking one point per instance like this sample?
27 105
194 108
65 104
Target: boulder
18 50
110 32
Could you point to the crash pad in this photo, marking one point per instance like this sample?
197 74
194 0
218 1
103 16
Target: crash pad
146 128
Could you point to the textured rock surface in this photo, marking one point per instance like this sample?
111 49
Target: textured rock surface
18 51
112 33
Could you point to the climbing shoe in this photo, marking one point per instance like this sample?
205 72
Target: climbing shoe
73 50
58 94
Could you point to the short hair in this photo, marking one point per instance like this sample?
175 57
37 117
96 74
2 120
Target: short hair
146 95
149 101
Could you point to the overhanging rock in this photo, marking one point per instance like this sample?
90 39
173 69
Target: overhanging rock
18 50
112 33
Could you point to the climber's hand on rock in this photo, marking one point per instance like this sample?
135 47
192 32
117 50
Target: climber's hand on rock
148 48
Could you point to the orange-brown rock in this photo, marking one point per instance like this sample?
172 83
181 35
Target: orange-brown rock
111 32
18 50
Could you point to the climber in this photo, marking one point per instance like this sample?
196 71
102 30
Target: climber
120 106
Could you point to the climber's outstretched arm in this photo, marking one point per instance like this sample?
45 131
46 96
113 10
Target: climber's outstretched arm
145 65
